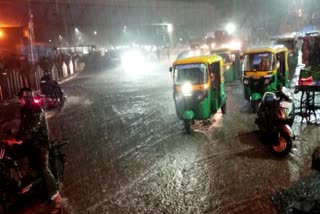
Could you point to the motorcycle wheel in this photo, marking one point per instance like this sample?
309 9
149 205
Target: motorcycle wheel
188 126
283 144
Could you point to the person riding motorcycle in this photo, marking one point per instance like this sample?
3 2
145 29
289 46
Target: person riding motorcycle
33 136
50 87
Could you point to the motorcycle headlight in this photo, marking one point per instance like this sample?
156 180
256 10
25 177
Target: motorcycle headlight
187 89
291 54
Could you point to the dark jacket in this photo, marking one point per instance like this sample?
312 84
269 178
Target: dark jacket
33 127
49 86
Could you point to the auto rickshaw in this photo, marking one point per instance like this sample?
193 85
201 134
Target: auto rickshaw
226 55
289 42
199 89
263 69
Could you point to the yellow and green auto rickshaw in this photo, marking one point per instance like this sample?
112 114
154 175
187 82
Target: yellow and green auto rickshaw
263 69
289 42
226 55
199 89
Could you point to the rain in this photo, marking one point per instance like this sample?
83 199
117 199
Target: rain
122 66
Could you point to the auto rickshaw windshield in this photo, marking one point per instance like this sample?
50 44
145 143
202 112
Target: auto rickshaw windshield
192 73
259 62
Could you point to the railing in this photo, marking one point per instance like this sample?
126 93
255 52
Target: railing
11 80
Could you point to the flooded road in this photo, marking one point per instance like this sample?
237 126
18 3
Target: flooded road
130 154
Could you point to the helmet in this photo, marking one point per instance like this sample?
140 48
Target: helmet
26 92
269 98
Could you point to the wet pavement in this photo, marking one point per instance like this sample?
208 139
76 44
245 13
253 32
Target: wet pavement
129 152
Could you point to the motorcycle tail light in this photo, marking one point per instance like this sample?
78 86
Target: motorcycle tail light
36 101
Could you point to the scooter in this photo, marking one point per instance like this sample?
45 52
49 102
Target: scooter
275 117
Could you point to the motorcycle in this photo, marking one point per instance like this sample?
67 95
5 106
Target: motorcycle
51 94
275 117
19 182
50 101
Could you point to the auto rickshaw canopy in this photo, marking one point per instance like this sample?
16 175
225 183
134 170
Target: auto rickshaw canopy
262 49
200 59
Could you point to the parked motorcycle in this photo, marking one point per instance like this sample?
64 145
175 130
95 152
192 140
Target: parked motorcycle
19 182
275 117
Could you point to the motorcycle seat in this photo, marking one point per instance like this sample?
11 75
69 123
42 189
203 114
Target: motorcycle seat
306 81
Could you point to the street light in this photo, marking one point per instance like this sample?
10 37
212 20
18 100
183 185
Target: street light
95 32
169 28
124 29
230 28
76 30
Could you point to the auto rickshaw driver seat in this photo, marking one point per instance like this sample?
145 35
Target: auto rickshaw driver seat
264 64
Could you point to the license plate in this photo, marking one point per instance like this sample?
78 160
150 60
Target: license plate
285 104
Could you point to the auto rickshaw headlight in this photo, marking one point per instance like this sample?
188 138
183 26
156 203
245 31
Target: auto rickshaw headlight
267 81
187 89
245 82
202 95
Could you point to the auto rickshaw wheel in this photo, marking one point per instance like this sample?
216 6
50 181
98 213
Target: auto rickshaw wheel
255 105
224 108
188 126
